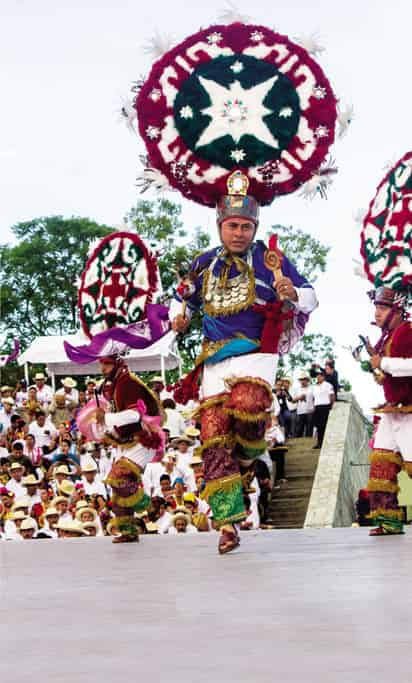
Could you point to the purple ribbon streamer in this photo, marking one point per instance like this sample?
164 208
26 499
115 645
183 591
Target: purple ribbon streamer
12 356
138 335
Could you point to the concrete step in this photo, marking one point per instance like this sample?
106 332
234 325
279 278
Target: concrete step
289 504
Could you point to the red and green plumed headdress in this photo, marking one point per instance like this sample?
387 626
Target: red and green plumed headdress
236 101
386 238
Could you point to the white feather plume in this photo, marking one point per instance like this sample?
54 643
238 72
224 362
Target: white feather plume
128 114
232 15
320 181
311 44
345 118
151 178
158 46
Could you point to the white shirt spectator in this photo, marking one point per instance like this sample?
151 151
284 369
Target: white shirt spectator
164 523
151 478
17 488
323 393
153 472
44 395
174 422
20 397
183 459
96 488
42 435
305 407
5 421
72 395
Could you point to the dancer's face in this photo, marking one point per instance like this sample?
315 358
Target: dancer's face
381 314
237 234
106 368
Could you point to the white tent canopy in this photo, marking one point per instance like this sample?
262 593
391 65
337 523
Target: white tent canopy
160 356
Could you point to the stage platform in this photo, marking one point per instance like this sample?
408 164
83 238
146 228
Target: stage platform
302 606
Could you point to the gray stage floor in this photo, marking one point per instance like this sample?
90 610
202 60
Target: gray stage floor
300 606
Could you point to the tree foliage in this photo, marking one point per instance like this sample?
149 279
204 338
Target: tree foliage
306 252
309 349
39 275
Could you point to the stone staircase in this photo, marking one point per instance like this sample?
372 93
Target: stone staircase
289 504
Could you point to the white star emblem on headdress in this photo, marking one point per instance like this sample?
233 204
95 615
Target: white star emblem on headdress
237 111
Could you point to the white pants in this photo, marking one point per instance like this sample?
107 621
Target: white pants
259 365
394 433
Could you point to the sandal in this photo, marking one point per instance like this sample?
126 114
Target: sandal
385 531
228 541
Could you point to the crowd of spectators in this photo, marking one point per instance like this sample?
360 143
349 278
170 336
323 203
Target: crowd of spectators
52 483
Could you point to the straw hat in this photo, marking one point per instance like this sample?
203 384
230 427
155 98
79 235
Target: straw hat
6 388
90 525
19 515
181 439
89 466
72 525
81 504
59 499
62 469
196 460
152 528
30 480
156 378
28 523
21 503
181 513
69 382
39 376
192 432
16 466
169 455
66 488
81 510
9 400
304 375
51 511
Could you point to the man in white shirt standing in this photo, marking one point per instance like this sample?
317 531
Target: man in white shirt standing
43 430
305 406
324 398
44 393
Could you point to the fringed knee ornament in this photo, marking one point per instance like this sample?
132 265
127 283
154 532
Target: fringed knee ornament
383 491
128 495
249 403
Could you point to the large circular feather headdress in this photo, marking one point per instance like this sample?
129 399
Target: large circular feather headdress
236 98
386 237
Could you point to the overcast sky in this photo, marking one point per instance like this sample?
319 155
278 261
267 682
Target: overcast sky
63 150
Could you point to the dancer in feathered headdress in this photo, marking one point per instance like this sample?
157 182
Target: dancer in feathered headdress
387 254
116 292
233 117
